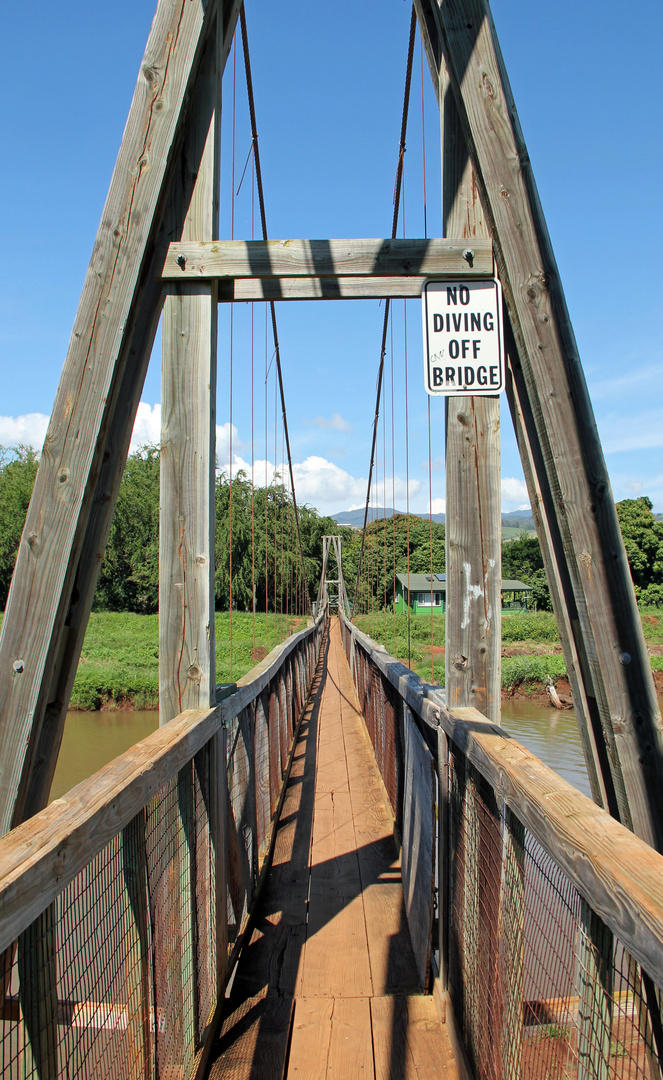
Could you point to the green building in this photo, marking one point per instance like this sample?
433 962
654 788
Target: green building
421 591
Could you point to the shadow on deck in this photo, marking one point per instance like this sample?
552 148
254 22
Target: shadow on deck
328 984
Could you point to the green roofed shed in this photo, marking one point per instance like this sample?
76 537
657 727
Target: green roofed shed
419 592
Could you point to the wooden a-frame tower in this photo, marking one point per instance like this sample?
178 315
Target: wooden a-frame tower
156 250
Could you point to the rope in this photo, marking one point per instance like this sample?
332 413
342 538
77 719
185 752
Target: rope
272 307
394 227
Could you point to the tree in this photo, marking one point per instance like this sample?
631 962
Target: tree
129 575
18 469
388 543
522 561
643 540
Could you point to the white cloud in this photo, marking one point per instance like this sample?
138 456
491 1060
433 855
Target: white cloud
438 506
147 428
334 423
29 429
514 494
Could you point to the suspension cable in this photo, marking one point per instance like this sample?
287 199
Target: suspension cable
272 306
394 227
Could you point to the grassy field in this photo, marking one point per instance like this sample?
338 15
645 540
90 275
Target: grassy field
531 637
119 661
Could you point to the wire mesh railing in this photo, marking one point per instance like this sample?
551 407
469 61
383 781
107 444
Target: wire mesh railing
123 905
548 941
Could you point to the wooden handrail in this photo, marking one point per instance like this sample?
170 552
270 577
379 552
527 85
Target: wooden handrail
43 855
619 875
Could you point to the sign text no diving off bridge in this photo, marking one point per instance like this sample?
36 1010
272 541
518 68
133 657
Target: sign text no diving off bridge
463 346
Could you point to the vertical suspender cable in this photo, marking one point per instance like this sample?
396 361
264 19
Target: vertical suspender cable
230 445
394 226
272 307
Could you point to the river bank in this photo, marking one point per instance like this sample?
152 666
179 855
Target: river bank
118 669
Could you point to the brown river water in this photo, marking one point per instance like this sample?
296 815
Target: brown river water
93 739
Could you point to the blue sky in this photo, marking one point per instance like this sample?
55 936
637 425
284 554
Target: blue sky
328 85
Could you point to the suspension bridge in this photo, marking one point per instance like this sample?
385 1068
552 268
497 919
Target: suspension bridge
328 867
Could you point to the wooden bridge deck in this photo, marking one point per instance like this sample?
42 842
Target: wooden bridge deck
327 986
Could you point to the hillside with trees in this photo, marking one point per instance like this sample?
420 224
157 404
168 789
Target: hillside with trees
264 525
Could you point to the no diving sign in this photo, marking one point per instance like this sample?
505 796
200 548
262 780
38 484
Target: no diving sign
463 348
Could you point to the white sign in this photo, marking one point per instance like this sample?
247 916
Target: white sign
463 347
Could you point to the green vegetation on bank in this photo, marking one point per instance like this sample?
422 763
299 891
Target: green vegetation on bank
119 664
529 631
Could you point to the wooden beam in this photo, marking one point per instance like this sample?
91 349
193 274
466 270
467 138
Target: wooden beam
90 428
618 673
325 258
321 288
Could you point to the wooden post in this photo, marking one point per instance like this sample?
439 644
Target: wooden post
187 671
90 428
443 854
615 668
512 934
219 832
473 664
595 956
185 883
38 995
134 862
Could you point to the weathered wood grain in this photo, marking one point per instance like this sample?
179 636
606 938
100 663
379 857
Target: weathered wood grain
618 670
320 288
473 538
187 675
90 428
187 260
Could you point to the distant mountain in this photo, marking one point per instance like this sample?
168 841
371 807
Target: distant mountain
355 518
517 519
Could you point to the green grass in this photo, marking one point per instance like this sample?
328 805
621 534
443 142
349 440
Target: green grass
120 658
522 628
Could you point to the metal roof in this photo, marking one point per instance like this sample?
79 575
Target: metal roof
422 583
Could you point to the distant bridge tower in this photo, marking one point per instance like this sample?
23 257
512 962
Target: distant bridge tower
332 589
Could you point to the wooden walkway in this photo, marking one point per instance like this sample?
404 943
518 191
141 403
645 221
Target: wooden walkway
327 986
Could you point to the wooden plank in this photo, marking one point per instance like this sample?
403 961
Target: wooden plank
351 1043
417 844
188 260
311 1038
608 622
409 1042
90 428
473 538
